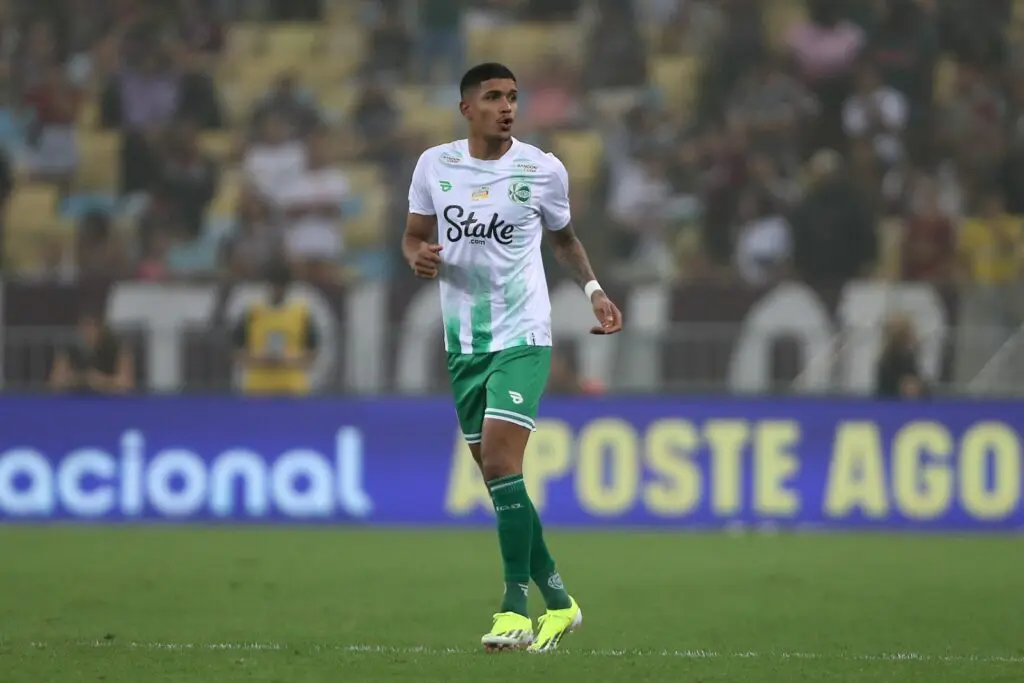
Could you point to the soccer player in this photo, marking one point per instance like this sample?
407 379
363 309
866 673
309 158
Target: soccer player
488 197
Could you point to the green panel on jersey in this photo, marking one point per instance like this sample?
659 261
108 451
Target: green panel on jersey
452 332
515 300
480 311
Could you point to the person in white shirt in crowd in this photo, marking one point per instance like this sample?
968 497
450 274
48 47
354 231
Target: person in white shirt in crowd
877 112
763 240
311 207
273 159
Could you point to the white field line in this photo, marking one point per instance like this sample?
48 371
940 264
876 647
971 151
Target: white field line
444 651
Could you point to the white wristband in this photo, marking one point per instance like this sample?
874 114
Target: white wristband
591 287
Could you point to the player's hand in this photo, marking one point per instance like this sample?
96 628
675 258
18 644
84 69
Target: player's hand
426 260
607 314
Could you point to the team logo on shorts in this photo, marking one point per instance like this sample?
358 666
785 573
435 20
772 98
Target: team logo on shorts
519 192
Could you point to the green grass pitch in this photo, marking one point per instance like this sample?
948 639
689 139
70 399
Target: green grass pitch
197 605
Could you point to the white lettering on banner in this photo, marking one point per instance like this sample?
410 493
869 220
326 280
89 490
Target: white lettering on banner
178 482
839 351
324 318
648 326
163 311
852 346
419 331
791 309
571 318
365 311
862 312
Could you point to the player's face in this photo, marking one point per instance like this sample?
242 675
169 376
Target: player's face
491 108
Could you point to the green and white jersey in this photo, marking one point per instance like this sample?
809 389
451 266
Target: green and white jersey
490 221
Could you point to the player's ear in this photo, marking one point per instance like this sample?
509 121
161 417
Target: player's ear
464 108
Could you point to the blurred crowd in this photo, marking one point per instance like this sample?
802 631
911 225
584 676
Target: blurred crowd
743 139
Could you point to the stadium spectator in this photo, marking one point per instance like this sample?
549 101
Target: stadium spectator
616 55
824 49
772 108
53 155
96 362
376 125
254 243
100 252
275 341
440 41
763 241
391 47
311 204
904 48
551 100
834 237
286 99
687 27
897 372
185 180
877 113
141 100
273 158
929 240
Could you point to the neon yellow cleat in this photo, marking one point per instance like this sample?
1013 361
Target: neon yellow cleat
511 631
554 625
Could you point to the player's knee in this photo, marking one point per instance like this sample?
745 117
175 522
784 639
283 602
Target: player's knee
501 452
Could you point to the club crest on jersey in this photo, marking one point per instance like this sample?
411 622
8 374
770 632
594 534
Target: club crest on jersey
451 158
481 193
519 192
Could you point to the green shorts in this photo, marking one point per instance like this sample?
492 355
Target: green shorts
503 385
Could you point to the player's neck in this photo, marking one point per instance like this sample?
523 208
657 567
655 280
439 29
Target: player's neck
488 149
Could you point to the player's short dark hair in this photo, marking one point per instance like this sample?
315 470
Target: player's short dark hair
484 72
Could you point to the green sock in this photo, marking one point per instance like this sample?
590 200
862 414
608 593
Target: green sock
542 568
515 527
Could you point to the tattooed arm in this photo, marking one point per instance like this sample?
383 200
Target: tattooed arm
570 253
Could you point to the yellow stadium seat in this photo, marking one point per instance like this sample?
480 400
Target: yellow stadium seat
31 218
582 152
221 145
677 78
229 192
945 80
294 43
779 17
99 169
526 45
245 40
339 101
436 124
89 114
362 177
890 240
367 229
346 43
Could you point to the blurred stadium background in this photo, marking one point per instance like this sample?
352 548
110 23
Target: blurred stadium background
786 198
872 151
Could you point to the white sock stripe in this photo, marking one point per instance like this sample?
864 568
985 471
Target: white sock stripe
424 650
506 484
513 420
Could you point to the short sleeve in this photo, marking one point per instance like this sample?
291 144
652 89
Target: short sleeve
555 205
420 201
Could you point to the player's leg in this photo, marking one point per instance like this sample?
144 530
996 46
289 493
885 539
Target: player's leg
542 564
468 374
514 389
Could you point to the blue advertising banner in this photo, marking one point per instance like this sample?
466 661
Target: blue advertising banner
660 462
